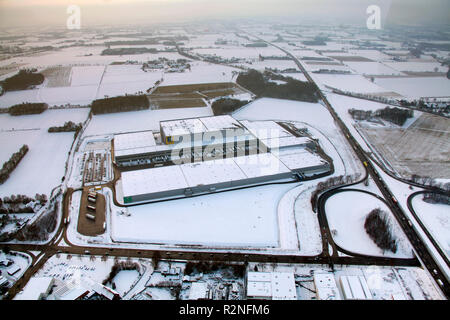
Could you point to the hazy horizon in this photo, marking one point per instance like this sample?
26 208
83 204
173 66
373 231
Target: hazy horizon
52 13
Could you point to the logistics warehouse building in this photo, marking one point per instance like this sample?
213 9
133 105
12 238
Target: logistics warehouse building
204 155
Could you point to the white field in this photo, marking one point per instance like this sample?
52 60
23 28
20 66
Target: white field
352 83
289 110
201 72
436 217
122 79
140 120
374 55
417 87
43 166
83 76
48 118
346 213
417 66
241 218
273 64
371 68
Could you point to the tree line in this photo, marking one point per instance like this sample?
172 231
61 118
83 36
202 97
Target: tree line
127 51
23 80
329 184
292 89
39 230
27 108
208 267
19 203
68 126
12 163
434 198
226 105
431 182
395 115
120 104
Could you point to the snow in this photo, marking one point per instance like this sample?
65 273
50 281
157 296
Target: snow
313 116
226 220
351 234
417 87
83 76
436 218
372 68
140 120
45 120
279 109
124 281
417 66
35 287
201 72
121 79
347 82
46 150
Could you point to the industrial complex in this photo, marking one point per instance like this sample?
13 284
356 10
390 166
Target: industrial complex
202 155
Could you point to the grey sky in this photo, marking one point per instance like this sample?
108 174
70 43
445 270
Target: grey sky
114 12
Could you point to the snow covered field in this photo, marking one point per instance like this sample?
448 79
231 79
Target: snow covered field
348 82
140 120
43 166
417 87
241 218
346 213
201 72
372 68
417 66
436 217
122 79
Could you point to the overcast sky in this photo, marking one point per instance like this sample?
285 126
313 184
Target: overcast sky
115 12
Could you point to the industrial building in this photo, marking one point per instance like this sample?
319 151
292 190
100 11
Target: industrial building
185 140
175 131
200 177
355 288
204 155
271 286
326 287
